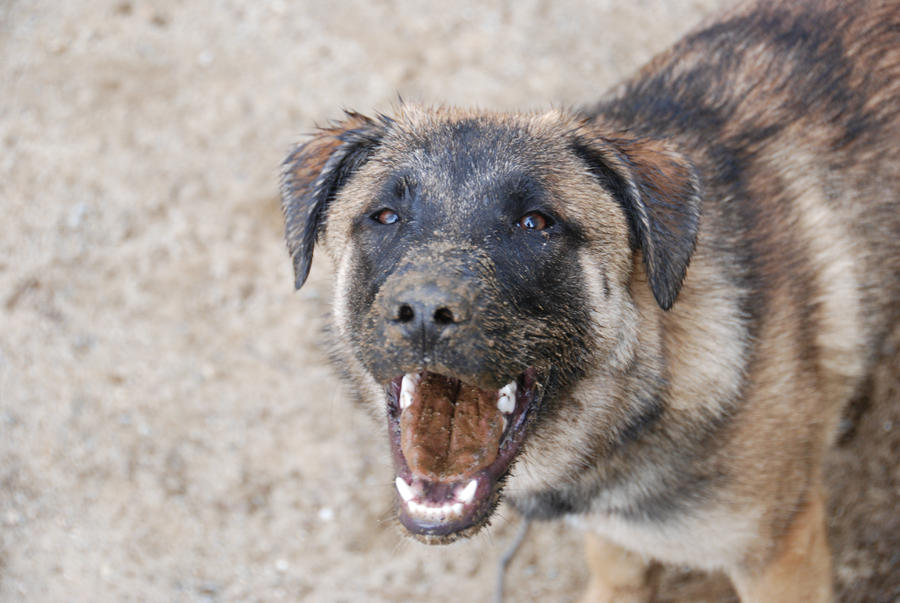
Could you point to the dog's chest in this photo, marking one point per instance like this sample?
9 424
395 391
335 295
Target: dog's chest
708 540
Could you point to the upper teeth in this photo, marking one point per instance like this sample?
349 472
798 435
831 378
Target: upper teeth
506 398
408 389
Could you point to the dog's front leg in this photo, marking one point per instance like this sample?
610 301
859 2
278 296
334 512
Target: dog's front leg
801 567
617 575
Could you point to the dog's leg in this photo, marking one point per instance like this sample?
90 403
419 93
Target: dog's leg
801 571
617 575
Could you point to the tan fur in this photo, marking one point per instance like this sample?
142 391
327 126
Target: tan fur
617 576
801 570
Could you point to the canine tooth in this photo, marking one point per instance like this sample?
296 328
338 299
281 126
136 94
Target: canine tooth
404 489
506 398
468 493
457 508
503 424
407 389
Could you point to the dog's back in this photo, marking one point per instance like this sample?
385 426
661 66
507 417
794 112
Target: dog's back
791 114
791 110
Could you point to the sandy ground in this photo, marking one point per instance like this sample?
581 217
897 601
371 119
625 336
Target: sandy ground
169 428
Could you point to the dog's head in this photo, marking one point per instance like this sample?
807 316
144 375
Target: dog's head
483 267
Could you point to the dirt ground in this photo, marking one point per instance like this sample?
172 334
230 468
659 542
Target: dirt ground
169 427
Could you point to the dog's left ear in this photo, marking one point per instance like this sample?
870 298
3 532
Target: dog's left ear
311 176
659 190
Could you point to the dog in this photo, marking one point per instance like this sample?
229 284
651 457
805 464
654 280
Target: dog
645 316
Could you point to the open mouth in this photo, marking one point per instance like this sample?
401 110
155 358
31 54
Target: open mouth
453 444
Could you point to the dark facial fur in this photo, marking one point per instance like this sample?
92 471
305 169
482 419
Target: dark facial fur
457 244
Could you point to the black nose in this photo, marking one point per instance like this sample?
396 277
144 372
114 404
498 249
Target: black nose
426 310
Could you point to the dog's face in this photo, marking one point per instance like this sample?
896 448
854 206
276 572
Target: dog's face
483 270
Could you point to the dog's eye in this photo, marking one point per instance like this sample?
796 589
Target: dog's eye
385 216
534 221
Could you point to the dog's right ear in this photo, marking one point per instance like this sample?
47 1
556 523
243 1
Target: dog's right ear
313 173
659 190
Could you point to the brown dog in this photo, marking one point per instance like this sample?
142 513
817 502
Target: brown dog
646 316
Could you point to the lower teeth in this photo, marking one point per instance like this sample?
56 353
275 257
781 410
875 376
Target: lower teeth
435 512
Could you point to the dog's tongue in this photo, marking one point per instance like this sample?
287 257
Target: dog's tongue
451 430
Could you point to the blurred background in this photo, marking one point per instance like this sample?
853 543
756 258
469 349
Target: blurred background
169 427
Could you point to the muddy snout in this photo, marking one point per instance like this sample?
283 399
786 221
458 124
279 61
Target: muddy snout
428 317
419 307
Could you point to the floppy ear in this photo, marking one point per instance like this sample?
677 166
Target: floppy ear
311 176
660 193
